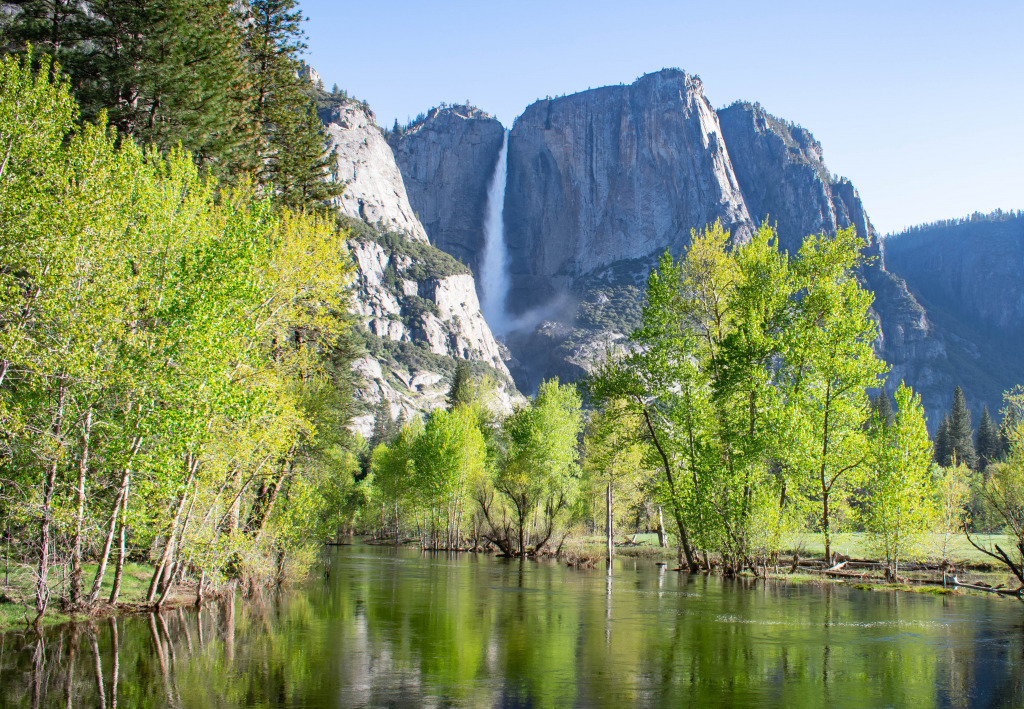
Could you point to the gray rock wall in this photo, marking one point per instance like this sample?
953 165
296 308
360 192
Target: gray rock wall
447 161
420 316
614 173
374 190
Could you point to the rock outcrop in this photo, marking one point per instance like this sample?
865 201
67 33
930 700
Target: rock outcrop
447 160
374 190
417 305
420 313
614 173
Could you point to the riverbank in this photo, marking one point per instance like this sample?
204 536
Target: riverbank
946 564
966 563
17 596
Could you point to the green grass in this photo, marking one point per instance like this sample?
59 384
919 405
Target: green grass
858 546
13 609
810 544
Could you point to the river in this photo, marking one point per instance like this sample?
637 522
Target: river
397 628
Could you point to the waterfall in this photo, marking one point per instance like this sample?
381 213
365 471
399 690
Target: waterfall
494 280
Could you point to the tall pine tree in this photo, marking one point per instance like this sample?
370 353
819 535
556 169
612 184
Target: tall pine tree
169 73
988 441
942 446
291 153
961 435
881 409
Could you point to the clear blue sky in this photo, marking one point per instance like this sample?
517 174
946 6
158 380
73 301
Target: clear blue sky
921 104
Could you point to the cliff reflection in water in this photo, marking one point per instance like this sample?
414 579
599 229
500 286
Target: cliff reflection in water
404 629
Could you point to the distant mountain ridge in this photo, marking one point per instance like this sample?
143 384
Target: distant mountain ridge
968 274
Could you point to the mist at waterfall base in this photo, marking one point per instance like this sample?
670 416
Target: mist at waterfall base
494 277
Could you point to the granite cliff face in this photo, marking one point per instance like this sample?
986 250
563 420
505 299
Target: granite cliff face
610 174
374 190
447 160
417 305
784 179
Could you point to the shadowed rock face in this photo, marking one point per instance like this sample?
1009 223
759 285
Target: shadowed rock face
969 277
782 175
614 173
447 161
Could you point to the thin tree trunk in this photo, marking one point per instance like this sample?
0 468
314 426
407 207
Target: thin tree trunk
825 489
101 568
122 553
115 641
72 653
42 585
101 690
691 563
662 537
267 497
163 568
75 588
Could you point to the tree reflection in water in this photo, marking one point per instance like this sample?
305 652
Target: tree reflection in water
396 628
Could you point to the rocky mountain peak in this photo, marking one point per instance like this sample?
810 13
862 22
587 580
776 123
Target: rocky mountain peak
615 173
374 190
417 305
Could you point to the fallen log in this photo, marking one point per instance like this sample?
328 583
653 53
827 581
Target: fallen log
1017 593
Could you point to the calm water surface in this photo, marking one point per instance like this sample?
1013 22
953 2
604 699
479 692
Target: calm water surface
401 629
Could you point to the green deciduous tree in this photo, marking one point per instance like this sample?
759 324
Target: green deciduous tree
615 465
172 352
450 461
900 505
539 471
833 365
1004 489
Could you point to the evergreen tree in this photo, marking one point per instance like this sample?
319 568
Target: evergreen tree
384 427
881 409
988 441
1009 424
165 73
461 391
942 450
961 435
291 153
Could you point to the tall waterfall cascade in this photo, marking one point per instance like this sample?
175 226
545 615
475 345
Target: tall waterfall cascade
494 279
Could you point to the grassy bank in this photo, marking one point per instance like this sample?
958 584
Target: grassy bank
970 565
857 545
17 594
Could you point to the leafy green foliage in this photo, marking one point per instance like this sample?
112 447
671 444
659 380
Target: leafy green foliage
221 79
538 473
900 506
750 375
174 353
